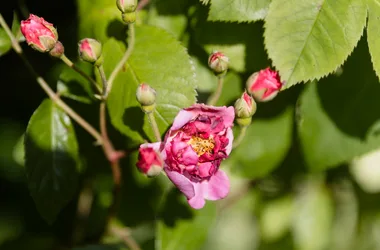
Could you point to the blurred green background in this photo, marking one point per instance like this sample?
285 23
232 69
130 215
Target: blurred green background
297 179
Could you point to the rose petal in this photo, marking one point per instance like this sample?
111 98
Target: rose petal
155 145
182 183
181 119
198 201
230 136
217 187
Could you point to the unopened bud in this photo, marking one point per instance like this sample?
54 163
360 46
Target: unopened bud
129 17
39 34
58 50
264 85
126 6
245 106
146 96
90 50
218 62
149 161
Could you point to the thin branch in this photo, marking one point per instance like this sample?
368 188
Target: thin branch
153 124
215 96
52 95
122 62
69 63
239 139
104 79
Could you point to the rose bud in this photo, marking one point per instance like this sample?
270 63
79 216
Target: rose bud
58 50
218 62
129 17
146 96
39 34
90 50
245 106
198 141
149 161
264 85
126 6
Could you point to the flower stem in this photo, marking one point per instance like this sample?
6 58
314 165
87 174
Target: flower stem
153 124
69 63
215 96
52 95
104 79
239 139
123 60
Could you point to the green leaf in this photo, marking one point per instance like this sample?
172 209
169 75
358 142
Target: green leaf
276 218
242 43
265 145
345 223
165 66
187 233
100 247
308 39
313 214
335 123
238 11
373 31
74 86
5 42
51 159
168 15
99 19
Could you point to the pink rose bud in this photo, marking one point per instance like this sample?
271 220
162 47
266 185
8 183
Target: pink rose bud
39 34
149 161
218 62
264 85
129 17
146 95
245 106
126 6
58 50
90 50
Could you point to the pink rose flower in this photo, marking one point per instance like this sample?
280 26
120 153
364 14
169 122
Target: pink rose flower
264 85
39 34
199 139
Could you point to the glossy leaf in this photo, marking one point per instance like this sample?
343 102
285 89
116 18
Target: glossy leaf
187 233
335 119
74 86
5 42
308 39
238 11
165 66
265 145
373 31
51 159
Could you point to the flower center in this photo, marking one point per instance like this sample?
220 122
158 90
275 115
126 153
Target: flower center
201 146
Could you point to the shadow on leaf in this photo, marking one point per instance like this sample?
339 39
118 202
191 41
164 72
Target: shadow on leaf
133 118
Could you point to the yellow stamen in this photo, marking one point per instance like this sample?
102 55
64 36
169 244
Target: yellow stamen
201 146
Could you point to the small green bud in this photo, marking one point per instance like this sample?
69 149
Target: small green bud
218 62
126 6
244 122
146 96
245 106
129 17
90 50
58 50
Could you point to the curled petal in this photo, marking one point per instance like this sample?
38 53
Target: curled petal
198 201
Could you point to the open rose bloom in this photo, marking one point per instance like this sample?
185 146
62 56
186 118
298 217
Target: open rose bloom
199 139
